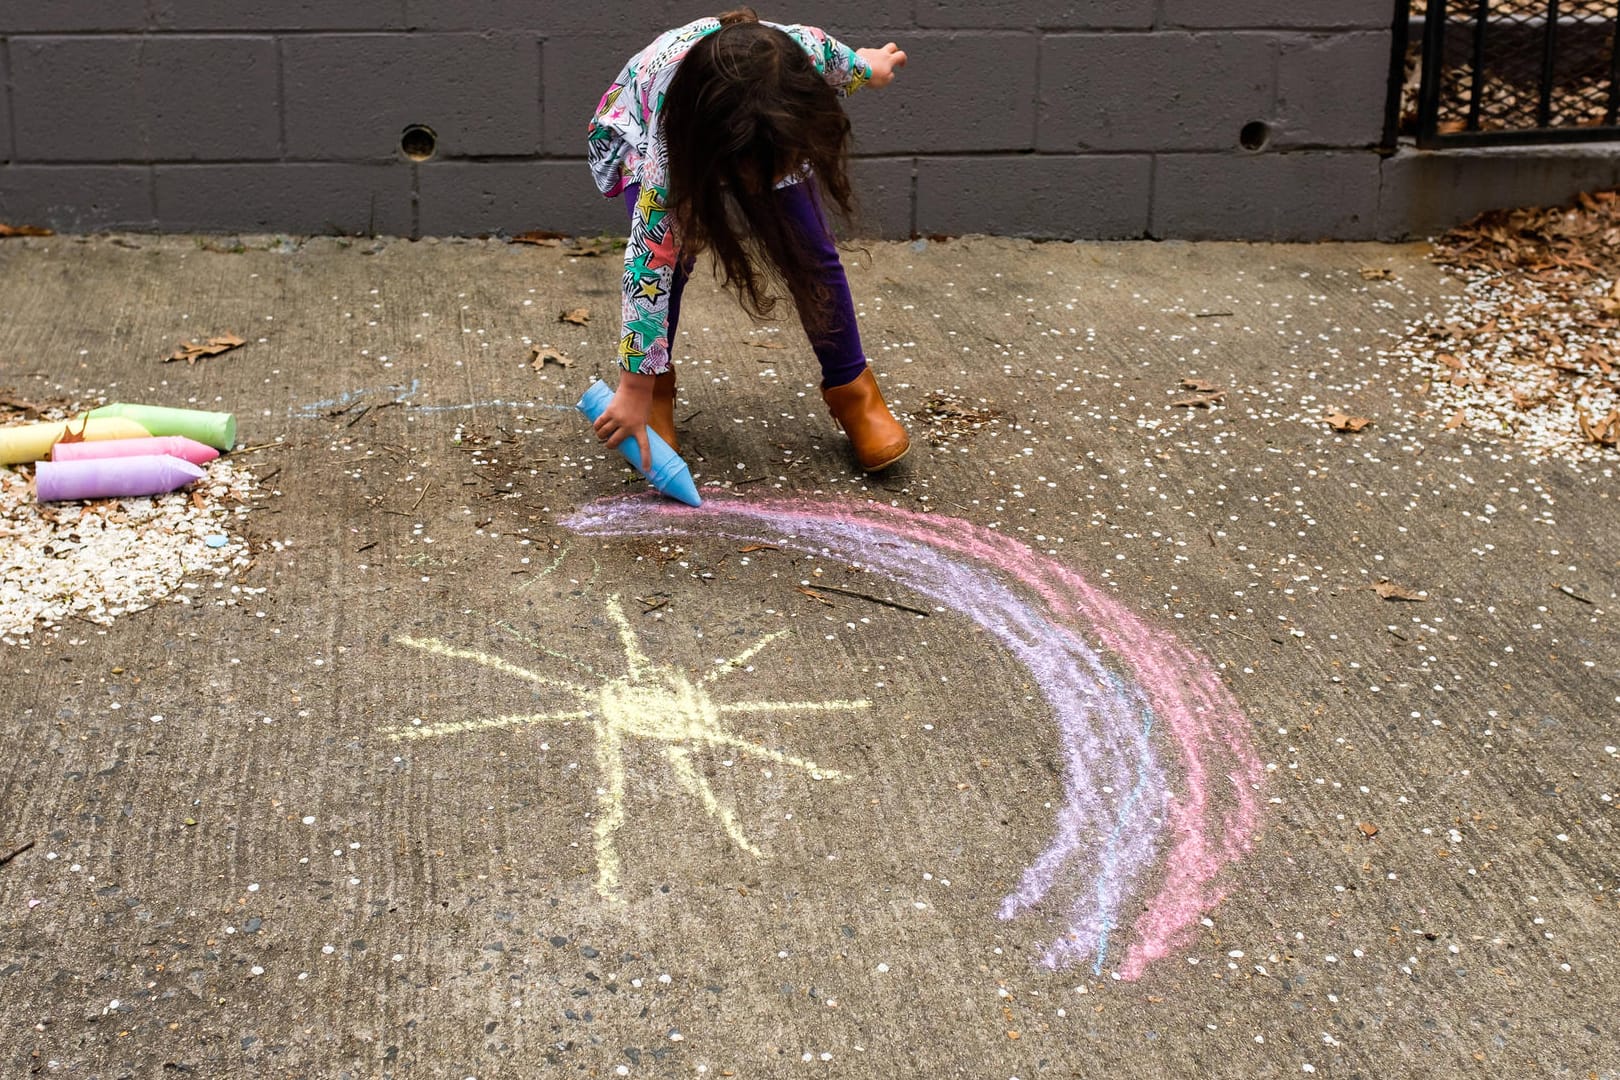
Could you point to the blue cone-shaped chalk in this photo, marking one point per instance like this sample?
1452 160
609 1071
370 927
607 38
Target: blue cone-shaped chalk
669 472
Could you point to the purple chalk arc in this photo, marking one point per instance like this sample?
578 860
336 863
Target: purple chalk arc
1159 770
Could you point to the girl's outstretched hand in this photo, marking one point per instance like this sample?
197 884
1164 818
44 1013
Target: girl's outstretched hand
884 62
626 415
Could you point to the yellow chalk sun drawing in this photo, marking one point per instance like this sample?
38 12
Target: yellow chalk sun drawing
657 703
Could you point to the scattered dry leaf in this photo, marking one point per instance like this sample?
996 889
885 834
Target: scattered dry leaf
71 436
538 237
1458 419
767 344
17 404
1610 304
24 230
578 316
1377 273
1345 422
1391 591
191 352
1198 401
590 246
541 355
1203 386
1605 432
1368 829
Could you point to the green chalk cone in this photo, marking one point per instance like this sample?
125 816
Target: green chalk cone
216 429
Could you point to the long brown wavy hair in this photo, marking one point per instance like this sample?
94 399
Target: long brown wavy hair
747 107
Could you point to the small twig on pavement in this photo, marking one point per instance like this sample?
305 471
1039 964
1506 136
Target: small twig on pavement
16 853
870 599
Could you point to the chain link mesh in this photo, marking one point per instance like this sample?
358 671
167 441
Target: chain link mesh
1526 65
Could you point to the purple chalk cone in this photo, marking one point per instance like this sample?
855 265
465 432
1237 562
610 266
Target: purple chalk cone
112 478
174 445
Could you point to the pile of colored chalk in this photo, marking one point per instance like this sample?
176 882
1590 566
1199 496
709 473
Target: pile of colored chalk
118 451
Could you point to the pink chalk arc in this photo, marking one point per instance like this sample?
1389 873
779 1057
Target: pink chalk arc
1136 712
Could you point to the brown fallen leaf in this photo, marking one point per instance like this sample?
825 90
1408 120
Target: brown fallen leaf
541 355
191 351
767 344
1458 419
1605 432
1198 401
1345 422
1368 829
17 404
578 316
1610 304
751 548
1450 361
1391 591
70 436
1203 386
1377 273
24 230
587 247
538 237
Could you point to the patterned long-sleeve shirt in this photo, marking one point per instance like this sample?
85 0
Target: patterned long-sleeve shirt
626 147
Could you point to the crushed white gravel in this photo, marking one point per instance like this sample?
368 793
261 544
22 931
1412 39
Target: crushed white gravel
95 561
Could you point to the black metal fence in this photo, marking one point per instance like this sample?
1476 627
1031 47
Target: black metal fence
1519 71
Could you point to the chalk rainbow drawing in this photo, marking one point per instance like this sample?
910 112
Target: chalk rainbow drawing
657 703
1121 690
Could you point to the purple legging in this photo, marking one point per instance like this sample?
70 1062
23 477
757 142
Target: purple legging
838 348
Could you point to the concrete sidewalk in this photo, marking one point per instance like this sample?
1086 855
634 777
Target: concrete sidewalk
1083 742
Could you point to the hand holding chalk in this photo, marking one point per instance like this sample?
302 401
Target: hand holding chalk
669 473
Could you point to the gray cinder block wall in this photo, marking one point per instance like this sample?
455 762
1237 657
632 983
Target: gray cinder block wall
1251 119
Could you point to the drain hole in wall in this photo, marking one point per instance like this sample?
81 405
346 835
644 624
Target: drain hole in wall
1255 135
418 143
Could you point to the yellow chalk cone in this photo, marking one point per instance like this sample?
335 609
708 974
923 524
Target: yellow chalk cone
33 442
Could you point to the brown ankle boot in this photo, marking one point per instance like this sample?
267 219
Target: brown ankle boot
662 419
860 410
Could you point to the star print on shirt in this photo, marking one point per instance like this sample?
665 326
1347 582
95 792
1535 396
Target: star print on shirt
630 357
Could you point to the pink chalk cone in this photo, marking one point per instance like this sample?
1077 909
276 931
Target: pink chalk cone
112 478
174 445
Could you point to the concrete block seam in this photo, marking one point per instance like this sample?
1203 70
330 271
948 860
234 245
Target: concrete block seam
11 108
281 98
914 174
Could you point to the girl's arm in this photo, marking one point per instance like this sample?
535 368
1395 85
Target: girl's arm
883 63
649 274
847 69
